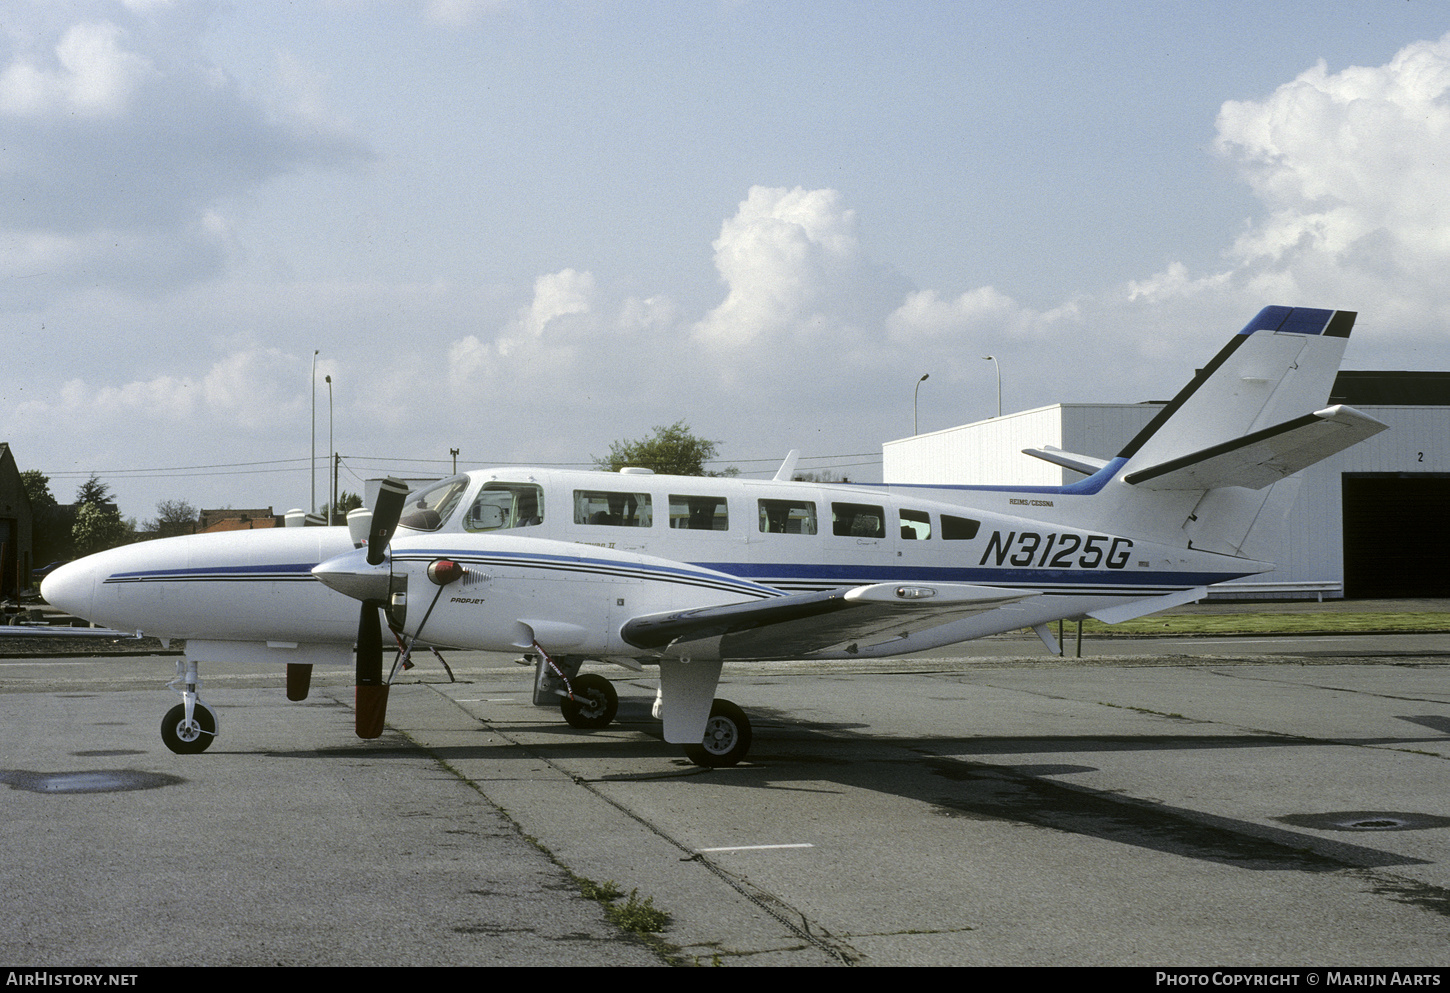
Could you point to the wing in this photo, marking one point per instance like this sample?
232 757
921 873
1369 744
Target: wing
796 626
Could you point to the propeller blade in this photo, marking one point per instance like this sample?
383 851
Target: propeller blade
386 512
372 693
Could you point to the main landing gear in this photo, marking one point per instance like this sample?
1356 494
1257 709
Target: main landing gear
727 737
589 702
189 727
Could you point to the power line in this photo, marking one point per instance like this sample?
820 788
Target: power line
350 462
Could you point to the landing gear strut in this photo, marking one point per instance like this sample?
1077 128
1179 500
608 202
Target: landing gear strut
189 727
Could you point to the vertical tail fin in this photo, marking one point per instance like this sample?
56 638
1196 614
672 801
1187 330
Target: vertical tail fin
1280 366
1253 416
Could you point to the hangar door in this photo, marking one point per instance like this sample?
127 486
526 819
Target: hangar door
1396 534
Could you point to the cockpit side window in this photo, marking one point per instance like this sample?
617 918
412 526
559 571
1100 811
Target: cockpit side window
429 509
505 505
915 524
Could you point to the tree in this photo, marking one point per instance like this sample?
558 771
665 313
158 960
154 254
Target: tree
174 517
49 536
673 450
93 491
95 529
345 501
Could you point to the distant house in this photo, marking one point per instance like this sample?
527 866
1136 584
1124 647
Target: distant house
15 527
229 519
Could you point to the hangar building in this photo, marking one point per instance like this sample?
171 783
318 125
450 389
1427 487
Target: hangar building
1372 521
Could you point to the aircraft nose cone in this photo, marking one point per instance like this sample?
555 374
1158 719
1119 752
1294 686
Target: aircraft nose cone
71 588
350 574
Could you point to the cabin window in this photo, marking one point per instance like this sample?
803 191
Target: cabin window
788 516
619 510
915 524
429 509
699 513
857 520
505 505
958 528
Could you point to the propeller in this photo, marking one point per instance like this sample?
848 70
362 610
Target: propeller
386 513
372 693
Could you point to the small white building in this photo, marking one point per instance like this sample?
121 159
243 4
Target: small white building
1372 521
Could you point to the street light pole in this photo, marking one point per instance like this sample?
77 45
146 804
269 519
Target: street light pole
998 365
914 394
312 452
332 501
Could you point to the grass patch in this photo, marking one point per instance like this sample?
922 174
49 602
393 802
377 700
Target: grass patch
1328 622
603 892
639 916
636 915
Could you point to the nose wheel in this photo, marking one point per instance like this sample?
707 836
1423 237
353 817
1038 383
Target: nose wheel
182 734
188 737
593 704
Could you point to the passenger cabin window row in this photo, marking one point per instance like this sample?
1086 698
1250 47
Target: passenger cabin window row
711 513
502 505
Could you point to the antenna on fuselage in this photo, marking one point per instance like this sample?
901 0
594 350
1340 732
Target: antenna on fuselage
787 468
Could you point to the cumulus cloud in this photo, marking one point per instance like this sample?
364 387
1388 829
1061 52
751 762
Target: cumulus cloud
925 317
794 271
248 389
117 135
93 76
557 297
812 342
1351 171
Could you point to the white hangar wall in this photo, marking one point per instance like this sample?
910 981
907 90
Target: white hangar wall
1311 557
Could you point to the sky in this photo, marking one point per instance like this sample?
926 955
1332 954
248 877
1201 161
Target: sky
526 230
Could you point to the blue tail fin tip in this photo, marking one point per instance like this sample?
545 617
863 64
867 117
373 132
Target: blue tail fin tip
1302 320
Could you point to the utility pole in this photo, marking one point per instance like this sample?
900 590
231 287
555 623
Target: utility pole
332 502
454 453
312 451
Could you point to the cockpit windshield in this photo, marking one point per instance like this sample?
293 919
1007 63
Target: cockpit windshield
429 509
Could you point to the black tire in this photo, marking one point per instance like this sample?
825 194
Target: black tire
594 705
727 737
177 740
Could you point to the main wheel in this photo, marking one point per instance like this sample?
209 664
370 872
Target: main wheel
185 740
594 704
727 737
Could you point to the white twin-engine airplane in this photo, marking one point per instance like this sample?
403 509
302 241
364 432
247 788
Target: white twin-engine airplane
684 573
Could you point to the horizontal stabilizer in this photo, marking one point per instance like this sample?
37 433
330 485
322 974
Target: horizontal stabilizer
798 625
1085 464
1263 457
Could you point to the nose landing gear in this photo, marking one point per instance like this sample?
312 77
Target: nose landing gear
189 727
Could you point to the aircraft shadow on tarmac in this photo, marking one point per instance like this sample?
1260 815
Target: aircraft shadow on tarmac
947 775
